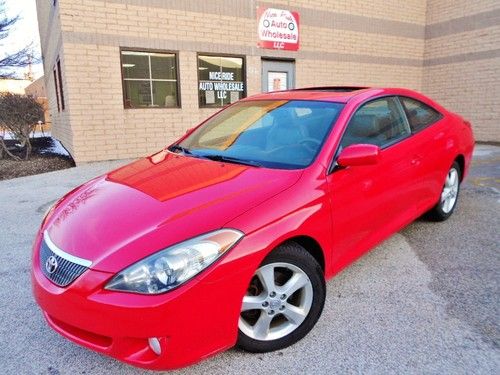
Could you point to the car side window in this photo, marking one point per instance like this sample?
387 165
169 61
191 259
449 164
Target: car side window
419 115
379 122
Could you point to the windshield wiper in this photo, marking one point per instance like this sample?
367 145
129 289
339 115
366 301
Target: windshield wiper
227 159
184 150
230 159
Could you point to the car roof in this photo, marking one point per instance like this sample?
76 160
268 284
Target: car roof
343 94
340 94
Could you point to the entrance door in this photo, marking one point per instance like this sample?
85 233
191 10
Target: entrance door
277 75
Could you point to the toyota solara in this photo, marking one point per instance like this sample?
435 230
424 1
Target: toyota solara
226 237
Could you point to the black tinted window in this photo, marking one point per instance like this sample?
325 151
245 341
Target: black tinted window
420 115
379 122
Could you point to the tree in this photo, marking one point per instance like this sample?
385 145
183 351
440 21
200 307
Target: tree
19 59
19 114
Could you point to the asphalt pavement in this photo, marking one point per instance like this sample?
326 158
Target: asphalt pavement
425 301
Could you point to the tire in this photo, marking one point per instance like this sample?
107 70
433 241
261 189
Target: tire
288 307
445 206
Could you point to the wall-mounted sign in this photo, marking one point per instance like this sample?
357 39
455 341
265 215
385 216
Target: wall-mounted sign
278 29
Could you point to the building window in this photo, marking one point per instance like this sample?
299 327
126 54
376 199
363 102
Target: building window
221 80
57 91
149 79
59 80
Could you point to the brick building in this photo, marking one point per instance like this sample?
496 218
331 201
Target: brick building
126 77
36 89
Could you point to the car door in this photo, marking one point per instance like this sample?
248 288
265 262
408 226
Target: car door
371 202
430 139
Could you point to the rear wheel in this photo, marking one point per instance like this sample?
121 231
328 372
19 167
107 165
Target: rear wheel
283 302
449 195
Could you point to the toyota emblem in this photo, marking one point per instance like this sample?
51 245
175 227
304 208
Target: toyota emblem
51 264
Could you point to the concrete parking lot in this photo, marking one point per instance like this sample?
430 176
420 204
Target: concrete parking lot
424 301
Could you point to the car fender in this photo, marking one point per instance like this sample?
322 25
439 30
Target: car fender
292 213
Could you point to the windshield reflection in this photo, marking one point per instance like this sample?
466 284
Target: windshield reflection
270 133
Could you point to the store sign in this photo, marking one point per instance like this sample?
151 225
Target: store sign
221 86
278 29
220 80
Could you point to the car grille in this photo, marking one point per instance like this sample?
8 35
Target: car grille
65 271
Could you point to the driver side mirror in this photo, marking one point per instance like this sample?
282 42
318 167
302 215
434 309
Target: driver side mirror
359 154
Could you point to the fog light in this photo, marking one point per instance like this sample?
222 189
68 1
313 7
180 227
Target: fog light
154 344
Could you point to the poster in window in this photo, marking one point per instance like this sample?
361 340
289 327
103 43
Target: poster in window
276 81
210 97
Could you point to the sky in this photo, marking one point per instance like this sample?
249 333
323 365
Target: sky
23 32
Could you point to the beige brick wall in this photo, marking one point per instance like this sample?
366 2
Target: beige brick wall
379 43
321 73
462 62
51 42
36 88
354 42
445 10
397 10
479 40
471 89
107 130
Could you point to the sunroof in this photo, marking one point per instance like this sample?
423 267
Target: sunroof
332 88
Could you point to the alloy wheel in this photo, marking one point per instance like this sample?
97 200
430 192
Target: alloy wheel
277 302
450 191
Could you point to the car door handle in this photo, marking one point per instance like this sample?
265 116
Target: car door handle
439 136
416 160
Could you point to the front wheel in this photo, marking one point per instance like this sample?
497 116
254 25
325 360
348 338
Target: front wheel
283 302
449 195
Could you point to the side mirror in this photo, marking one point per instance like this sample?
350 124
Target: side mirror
360 154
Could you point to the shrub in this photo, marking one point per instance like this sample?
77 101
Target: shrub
19 114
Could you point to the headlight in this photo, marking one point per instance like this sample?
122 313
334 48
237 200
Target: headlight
175 265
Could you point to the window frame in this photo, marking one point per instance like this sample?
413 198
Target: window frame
59 80
441 116
56 89
212 54
333 164
149 50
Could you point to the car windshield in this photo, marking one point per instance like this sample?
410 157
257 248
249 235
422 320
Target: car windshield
269 133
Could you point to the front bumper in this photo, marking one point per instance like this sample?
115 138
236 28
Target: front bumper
192 322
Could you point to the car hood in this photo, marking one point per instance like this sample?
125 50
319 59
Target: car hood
155 202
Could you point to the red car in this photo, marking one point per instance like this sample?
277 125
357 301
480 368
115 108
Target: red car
227 236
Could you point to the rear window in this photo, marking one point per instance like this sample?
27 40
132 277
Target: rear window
419 115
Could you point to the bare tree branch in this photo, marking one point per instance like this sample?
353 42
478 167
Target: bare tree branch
6 23
19 59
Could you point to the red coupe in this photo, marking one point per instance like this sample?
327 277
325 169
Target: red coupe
227 236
